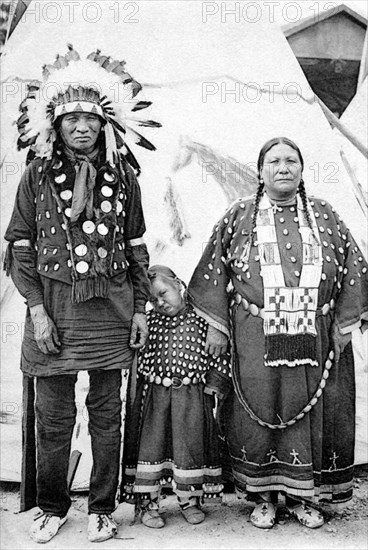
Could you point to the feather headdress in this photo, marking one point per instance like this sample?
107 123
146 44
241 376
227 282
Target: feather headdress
96 85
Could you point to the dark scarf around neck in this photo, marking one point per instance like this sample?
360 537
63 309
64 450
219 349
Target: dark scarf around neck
90 198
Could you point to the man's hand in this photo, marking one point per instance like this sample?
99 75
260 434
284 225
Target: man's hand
216 342
45 332
138 331
339 340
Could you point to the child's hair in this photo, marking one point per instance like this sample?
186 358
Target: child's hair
164 272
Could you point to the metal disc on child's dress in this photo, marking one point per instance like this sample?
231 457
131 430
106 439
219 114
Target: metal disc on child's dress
106 191
106 206
88 227
119 207
109 177
166 382
102 252
61 178
66 195
81 267
58 164
81 250
102 229
67 212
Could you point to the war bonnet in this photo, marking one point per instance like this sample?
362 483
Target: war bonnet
97 85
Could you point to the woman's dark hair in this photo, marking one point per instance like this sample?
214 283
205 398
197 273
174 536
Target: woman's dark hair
301 188
271 143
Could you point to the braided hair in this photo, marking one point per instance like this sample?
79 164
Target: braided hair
303 196
301 188
257 200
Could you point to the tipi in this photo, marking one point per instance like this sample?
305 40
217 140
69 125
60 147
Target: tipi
221 86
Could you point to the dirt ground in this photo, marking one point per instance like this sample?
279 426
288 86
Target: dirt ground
227 526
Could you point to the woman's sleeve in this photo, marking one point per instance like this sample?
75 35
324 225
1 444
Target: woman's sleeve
207 290
352 298
135 248
21 256
218 377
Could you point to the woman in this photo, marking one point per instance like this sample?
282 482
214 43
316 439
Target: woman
284 277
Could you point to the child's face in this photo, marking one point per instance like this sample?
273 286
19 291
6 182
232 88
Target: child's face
166 297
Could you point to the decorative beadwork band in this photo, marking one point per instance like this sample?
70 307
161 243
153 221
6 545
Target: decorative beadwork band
259 312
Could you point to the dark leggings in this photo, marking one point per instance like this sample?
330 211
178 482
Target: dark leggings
55 418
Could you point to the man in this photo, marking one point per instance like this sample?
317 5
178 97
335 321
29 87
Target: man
77 256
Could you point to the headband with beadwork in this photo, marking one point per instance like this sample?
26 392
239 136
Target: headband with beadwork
94 85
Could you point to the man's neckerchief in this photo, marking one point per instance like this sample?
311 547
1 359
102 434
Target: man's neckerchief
89 197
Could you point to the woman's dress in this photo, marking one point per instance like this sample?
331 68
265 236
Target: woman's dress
287 428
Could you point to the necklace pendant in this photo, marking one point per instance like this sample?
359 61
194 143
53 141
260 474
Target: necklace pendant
276 208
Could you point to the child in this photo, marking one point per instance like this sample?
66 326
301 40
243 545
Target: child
171 434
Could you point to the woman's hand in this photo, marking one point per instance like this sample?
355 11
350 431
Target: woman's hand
339 340
138 331
216 341
45 332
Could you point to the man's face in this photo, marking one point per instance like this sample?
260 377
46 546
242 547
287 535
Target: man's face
80 131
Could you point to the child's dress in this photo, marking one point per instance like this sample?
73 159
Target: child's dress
170 432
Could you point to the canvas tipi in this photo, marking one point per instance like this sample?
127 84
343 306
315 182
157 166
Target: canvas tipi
220 86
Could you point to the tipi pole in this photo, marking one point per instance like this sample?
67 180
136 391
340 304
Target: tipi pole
363 69
357 188
342 128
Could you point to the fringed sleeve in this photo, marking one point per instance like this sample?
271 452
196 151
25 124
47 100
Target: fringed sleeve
21 261
207 290
352 298
136 251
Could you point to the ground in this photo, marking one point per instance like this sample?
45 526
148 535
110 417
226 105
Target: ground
227 526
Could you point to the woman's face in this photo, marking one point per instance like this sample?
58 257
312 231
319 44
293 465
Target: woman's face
281 172
166 297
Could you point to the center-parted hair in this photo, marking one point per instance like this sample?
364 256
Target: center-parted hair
277 141
164 272
301 188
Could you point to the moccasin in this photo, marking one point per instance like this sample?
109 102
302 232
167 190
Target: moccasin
101 527
45 527
263 515
307 516
151 518
193 514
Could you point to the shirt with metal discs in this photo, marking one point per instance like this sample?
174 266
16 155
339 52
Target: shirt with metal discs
87 273
171 435
175 350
